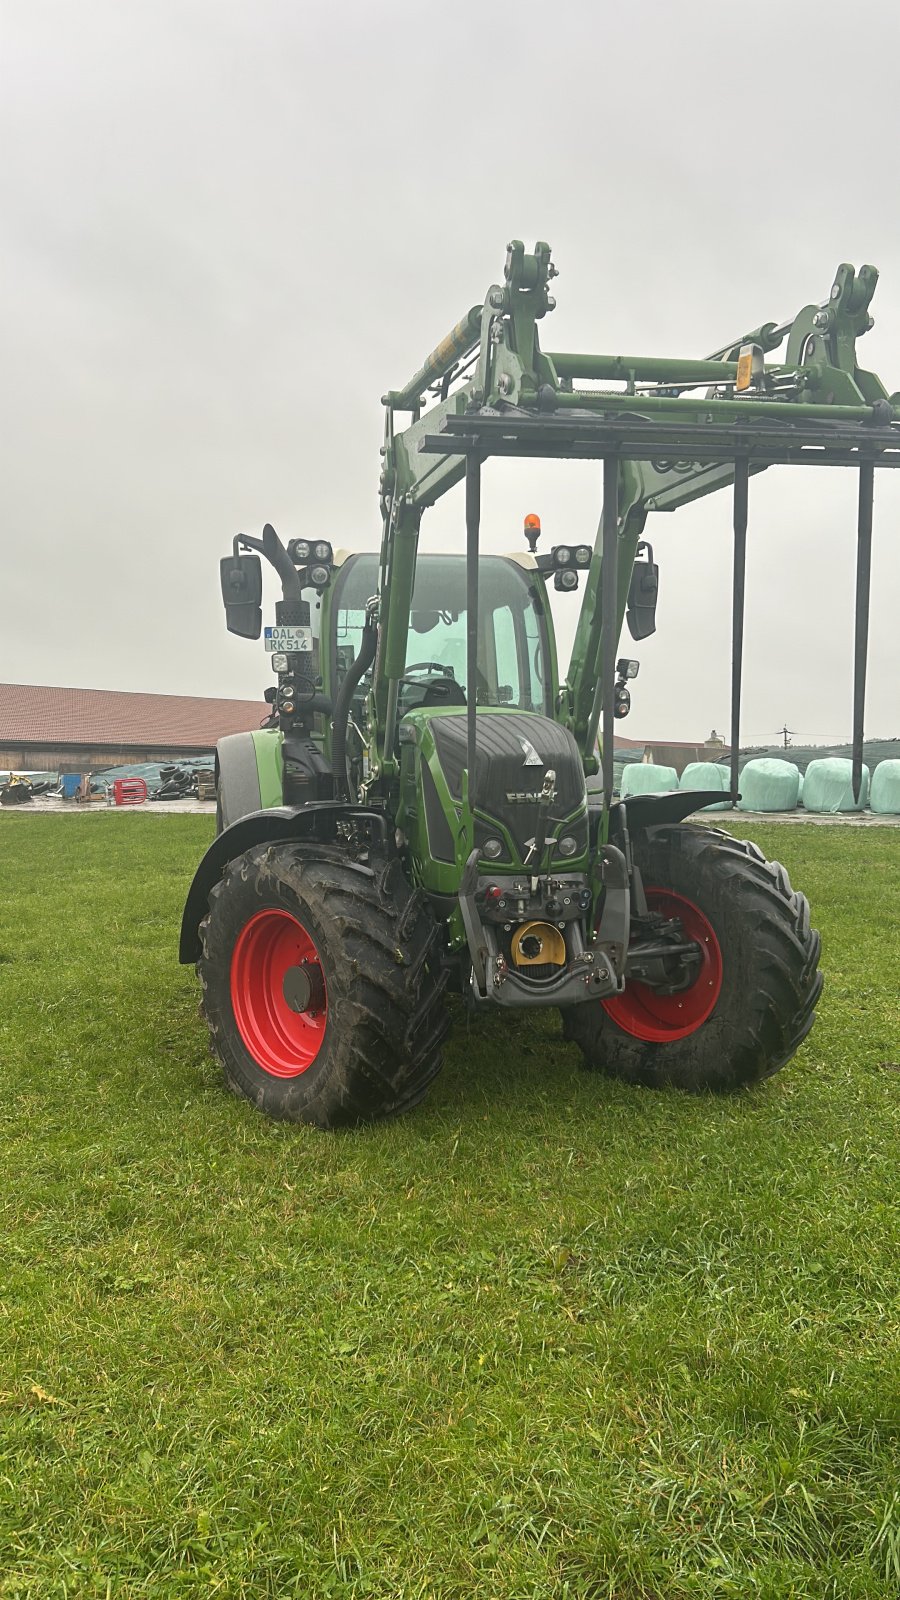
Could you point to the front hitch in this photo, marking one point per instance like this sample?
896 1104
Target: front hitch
592 971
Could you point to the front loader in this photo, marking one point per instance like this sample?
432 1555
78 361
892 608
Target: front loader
423 812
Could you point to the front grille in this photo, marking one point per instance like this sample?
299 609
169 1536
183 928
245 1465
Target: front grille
503 741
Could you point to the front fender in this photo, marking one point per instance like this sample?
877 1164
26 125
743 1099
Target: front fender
670 805
317 820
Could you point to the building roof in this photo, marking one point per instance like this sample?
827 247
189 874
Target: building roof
706 751
37 714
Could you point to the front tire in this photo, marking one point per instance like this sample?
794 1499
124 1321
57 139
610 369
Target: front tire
759 969
321 985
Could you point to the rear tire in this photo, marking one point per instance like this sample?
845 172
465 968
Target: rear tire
321 985
768 972
237 779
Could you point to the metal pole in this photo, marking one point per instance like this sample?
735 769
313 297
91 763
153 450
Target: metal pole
863 586
609 617
741 480
473 524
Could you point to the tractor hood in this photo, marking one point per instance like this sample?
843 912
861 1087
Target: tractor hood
515 750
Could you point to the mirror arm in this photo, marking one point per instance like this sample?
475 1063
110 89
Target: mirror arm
272 548
243 541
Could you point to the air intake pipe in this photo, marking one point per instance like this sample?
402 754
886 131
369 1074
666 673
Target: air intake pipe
367 647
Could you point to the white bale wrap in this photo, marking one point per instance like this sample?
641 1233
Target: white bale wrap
707 775
828 786
769 784
884 795
645 777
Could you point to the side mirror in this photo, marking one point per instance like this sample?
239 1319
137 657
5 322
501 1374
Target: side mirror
643 591
241 579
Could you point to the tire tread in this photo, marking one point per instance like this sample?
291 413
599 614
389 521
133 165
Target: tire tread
774 1014
386 991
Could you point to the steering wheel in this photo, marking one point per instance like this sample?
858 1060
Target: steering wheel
429 666
444 692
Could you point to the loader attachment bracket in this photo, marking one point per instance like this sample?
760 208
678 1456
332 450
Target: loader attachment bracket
668 430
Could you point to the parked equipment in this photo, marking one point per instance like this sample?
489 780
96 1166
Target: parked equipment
16 791
416 818
129 791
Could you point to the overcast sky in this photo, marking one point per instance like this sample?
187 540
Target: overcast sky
229 225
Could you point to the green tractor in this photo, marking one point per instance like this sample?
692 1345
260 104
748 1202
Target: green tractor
425 812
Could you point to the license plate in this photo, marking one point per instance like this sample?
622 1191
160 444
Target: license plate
289 639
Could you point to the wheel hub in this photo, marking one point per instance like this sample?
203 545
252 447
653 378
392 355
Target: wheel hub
303 988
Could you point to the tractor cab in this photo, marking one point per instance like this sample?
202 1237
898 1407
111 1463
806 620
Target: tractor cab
515 662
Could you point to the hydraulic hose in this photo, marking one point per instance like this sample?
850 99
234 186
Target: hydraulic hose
343 703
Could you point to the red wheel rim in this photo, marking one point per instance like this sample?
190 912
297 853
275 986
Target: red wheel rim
662 1018
274 949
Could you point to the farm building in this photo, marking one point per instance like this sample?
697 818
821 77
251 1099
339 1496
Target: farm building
43 729
671 753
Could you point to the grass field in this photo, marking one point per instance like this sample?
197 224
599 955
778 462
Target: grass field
547 1336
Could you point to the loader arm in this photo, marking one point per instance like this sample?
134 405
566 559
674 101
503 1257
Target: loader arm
673 431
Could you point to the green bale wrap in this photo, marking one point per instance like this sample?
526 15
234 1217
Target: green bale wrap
644 777
884 795
828 786
769 784
707 775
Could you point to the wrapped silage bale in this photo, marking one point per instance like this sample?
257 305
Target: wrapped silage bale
828 786
884 795
769 784
645 777
707 775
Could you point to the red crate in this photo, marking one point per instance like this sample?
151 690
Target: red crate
129 791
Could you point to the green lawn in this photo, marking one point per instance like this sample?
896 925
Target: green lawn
547 1336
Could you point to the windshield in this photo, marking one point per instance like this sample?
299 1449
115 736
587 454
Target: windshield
512 657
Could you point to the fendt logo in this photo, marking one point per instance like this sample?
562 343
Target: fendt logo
532 759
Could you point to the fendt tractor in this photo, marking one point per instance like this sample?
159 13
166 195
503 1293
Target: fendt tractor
425 812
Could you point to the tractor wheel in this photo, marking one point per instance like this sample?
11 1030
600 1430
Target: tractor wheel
752 1001
321 985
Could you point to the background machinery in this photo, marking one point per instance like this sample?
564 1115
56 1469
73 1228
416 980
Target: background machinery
415 819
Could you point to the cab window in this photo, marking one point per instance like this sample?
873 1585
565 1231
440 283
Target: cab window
512 664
